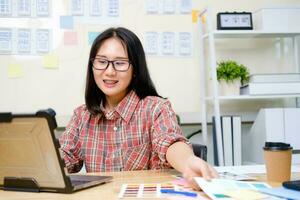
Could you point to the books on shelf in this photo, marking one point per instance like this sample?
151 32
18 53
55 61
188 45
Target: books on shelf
226 126
274 78
270 88
237 140
229 142
272 84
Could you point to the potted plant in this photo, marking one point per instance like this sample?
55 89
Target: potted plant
231 76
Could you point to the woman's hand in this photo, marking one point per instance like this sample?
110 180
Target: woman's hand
195 166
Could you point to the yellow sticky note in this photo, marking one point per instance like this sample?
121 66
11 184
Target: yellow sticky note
15 71
195 14
245 195
203 19
51 61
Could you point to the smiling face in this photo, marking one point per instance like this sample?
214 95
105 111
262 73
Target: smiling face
114 84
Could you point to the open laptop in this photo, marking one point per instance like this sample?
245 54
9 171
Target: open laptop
30 158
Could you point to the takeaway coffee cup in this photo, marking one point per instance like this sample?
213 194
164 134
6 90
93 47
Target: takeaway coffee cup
278 161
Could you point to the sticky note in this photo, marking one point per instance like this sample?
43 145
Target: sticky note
92 36
70 38
66 22
51 61
195 14
15 71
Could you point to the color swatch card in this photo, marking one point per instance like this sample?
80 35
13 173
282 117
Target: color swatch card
153 190
229 189
235 177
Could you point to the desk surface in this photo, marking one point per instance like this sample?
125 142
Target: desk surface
109 190
106 191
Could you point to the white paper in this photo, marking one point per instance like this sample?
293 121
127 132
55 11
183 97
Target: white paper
185 43
24 8
168 43
216 187
5 40
169 6
42 41
151 43
42 8
113 8
24 41
185 6
152 6
249 169
77 7
96 7
5 8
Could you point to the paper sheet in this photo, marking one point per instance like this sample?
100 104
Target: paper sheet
249 169
219 188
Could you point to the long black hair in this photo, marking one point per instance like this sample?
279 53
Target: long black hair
141 82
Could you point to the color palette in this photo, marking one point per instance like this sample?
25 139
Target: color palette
147 190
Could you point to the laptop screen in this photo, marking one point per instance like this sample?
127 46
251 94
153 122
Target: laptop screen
27 150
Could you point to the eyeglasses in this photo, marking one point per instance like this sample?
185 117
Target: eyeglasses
118 65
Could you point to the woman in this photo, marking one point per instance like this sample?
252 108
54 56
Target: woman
125 124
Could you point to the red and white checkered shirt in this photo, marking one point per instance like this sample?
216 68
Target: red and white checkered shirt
135 136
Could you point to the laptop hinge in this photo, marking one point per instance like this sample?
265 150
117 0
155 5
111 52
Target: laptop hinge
21 184
5 117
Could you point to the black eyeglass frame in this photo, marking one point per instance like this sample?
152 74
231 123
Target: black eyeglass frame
112 62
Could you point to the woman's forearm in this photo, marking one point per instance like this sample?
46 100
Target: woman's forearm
177 155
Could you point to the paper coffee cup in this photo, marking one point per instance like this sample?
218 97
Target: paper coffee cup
278 161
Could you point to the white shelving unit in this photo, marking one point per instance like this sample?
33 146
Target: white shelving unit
209 38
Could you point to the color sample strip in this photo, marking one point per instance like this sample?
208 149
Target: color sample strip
147 190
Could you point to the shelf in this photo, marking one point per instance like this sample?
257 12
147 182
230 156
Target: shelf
250 34
246 97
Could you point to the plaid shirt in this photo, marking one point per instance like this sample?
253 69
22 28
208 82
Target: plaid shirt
135 136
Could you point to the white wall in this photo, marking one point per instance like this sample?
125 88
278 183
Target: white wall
177 78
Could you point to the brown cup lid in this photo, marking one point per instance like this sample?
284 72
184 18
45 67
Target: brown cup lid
277 146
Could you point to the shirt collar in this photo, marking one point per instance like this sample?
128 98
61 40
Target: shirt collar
125 108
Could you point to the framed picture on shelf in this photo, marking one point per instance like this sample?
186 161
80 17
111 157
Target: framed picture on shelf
234 21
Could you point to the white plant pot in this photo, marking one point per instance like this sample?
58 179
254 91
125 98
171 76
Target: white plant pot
229 88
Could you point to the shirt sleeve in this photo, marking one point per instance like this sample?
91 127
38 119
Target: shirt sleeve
165 131
71 145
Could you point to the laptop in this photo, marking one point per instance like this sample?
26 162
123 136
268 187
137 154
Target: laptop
30 158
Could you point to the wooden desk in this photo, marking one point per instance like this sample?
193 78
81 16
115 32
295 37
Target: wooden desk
106 191
109 190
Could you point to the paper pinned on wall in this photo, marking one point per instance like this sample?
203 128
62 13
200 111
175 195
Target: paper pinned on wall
96 7
24 8
185 43
24 41
51 61
43 38
6 8
70 38
169 6
152 7
113 8
92 36
77 7
42 8
5 40
185 6
168 43
15 71
151 42
66 22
